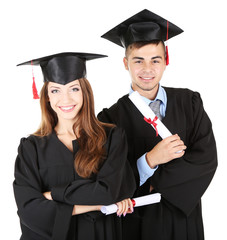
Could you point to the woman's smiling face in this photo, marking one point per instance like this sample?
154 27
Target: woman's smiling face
65 100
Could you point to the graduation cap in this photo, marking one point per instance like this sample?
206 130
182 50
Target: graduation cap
62 68
144 26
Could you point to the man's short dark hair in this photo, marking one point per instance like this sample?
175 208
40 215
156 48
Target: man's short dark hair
138 45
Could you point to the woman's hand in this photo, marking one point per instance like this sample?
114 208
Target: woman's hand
124 207
47 195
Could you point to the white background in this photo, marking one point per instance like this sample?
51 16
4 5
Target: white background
32 29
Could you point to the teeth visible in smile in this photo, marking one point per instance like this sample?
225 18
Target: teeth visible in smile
67 108
147 78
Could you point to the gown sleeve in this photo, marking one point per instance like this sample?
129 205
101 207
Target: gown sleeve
46 219
114 181
183 181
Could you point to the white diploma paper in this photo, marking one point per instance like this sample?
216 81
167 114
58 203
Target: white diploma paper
148 113
140 201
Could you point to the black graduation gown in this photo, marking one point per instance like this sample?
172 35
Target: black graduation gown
182 181
46 164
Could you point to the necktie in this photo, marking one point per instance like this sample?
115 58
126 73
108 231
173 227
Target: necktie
155 107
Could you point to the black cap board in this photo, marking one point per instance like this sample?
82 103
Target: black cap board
63 67
144 26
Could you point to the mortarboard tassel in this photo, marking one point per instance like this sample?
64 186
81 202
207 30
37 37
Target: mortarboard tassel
167 56
167 51
34 89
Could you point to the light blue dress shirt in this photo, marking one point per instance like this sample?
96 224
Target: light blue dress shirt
143 168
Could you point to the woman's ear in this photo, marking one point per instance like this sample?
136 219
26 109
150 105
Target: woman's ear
125 60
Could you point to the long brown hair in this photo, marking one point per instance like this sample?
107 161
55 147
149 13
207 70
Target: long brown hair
90 132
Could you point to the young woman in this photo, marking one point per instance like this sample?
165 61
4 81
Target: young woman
73 163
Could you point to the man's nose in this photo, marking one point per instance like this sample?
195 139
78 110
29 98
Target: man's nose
147 67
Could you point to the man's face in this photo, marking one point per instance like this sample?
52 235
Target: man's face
146 66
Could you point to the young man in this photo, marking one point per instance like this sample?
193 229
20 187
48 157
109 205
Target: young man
179 167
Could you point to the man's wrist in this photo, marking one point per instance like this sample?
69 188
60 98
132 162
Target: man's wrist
151 163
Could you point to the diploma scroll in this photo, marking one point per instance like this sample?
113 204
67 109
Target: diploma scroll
140 201
148 114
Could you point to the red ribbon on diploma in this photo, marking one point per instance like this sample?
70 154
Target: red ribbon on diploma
133 202
153 123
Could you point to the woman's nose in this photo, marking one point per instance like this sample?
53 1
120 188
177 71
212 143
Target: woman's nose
66 97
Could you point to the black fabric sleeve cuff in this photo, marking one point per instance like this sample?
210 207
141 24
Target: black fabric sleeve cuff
57 193
62 221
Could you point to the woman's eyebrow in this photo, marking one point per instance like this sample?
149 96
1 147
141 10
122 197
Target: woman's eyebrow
54 87
76 84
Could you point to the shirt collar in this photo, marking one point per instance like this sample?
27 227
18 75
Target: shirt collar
161 95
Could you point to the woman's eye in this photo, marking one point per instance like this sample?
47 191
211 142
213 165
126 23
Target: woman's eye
54 91
75 89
